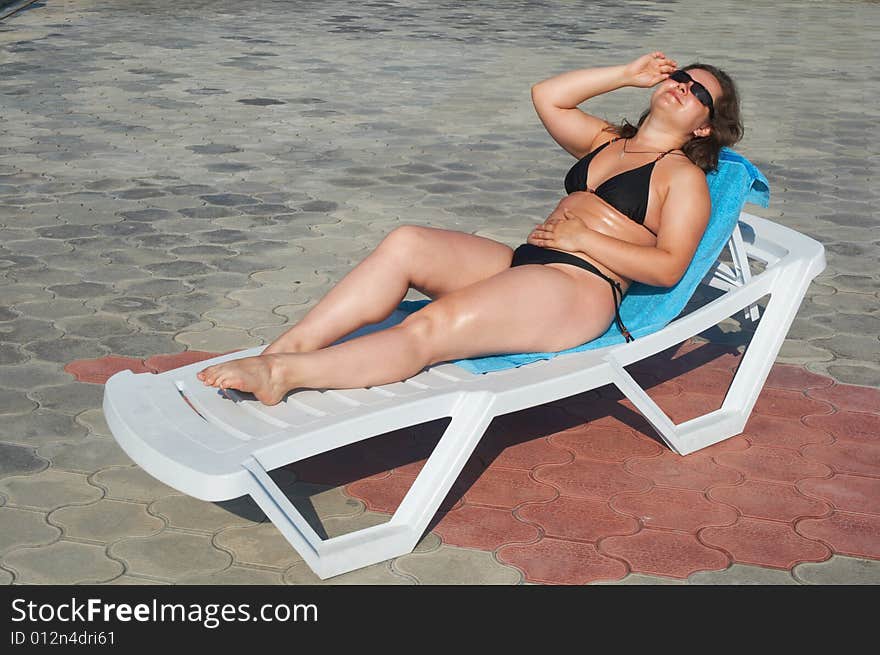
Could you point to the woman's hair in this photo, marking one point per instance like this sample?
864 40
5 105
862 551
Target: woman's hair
727 127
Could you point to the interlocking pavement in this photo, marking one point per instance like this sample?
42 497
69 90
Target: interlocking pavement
182 180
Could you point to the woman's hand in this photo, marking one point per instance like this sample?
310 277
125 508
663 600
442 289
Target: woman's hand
564 232
648 70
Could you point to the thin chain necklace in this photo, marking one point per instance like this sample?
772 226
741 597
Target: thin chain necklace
624 151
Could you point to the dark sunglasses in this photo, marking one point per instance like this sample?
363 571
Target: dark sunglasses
700 92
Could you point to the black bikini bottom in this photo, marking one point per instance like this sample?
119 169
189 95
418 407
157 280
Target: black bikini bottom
529 254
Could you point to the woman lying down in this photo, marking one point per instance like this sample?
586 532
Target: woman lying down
636 208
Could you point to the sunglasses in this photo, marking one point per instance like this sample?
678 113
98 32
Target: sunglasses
698 90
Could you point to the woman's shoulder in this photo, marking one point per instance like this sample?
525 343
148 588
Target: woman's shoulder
678 178
679 170
606 135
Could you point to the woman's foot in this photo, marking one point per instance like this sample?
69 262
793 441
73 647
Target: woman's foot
261 376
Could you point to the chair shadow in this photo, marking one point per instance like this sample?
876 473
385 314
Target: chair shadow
406 449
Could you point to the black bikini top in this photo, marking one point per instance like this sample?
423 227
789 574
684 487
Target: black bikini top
627 192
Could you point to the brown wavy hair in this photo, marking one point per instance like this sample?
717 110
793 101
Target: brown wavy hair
727 126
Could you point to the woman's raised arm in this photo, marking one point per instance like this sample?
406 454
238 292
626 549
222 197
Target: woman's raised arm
556 99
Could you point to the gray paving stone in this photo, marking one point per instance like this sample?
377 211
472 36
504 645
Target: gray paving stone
848 346
456 566
197 302
95 326
25 329
850 372
6 578
640 579
106 521
167 321
191 513
170 555
377 574
126 305
20 293
134 580
63 562
94 421
142 345
153 289
79 290
25 528
131 483
10 354
839 570
850 303
71 398
178 269
15 402
235 575
48 490
86 455
40 427
742 574
260 545
19 460
216 339
795 351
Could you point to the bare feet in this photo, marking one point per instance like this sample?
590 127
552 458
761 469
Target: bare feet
261 376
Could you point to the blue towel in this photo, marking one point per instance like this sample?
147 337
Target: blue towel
646 309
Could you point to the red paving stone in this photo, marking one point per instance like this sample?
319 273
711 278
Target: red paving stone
674 509
765 543
610 415
789 404
98 371
773 464
672 554
696 471
768 500
526 456
684 407
707 380
847 457
507 488
585 478
556 561
485 528
381 494
811 449
849 493
849 397
580 519
785 433
847 533
795 378
607 445
853 426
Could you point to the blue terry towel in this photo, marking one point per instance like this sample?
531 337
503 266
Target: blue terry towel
646 309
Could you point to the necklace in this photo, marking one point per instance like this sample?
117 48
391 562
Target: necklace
624 151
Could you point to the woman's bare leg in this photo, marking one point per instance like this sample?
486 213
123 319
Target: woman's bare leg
524 309
431 260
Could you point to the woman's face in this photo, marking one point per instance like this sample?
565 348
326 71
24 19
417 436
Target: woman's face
676 99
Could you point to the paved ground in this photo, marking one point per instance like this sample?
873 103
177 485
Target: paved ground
182 178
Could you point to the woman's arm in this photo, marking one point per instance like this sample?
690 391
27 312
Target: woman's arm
683 219
556 99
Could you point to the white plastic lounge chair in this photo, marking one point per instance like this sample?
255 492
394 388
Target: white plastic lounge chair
194 439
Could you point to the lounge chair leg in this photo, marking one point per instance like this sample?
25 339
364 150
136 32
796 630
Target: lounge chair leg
470 418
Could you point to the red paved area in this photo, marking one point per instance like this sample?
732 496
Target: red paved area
581 490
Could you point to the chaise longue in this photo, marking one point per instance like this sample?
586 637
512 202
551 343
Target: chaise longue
218 447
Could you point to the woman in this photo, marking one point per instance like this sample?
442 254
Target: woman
637 207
